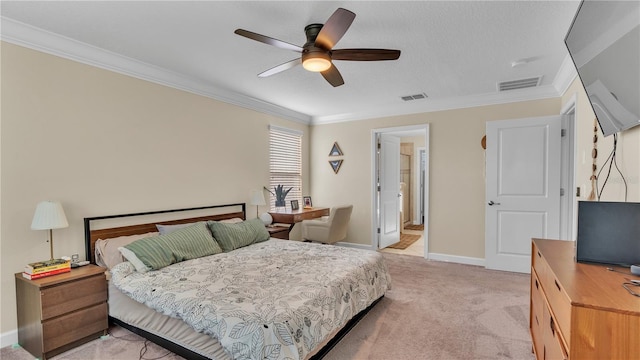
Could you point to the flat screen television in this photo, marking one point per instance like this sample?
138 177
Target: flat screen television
608 233
604 44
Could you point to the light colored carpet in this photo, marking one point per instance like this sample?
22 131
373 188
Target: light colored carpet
121 344
439 310
405 241
436 310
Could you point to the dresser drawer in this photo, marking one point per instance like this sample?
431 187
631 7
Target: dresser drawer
560 303
536 315
75 326
553 346
67 297
538 263
555 295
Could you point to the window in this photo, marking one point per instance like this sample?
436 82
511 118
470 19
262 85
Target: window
285 154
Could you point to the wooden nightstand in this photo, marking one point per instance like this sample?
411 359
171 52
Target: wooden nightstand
59 312
279 232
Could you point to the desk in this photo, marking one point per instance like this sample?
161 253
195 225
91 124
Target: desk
295 216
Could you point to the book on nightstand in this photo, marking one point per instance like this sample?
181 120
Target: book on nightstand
46 273
47 266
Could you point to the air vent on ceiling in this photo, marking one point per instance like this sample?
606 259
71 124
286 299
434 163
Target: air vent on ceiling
519 84
414 97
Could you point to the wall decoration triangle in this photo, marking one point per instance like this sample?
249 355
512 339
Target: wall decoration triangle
335 165
335 150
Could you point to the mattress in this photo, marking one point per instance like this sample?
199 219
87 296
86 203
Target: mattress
279 299
133 313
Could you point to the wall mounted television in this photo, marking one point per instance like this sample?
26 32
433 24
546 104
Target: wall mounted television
608 233
604 44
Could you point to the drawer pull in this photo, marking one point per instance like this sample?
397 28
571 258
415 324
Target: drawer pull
539 255
537 322
536 283
557 285
553 330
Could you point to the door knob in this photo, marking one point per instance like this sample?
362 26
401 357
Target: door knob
491 203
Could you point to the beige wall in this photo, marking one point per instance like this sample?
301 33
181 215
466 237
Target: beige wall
627 154
456 172
104 143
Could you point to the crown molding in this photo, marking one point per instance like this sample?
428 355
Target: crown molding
432 105
31 37
561 82
565 75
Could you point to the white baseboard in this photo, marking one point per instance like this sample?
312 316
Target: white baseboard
457 259
9 338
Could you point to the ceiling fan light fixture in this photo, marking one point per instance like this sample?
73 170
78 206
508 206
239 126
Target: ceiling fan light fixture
316 61
318 52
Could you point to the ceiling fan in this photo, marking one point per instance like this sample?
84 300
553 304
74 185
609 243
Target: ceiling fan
318 52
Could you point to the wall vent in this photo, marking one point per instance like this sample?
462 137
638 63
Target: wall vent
414 97
519 84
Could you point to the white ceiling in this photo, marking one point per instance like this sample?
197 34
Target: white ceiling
455 52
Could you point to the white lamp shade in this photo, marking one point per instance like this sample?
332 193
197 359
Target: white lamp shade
49 215
257 198
266 218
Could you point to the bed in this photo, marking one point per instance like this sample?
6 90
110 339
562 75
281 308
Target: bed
268 298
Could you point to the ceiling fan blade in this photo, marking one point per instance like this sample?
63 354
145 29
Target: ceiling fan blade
365 54
268 40
280 68
334 28
332 75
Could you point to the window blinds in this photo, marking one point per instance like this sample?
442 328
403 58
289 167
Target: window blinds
285 154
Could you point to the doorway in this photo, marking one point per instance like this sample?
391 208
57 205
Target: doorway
412 194
568 196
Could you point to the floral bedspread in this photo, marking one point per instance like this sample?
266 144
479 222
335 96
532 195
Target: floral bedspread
277 299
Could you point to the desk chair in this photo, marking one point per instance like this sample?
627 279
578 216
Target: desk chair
328 230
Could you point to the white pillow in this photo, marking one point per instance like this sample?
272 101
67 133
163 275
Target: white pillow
133 259
106 250
231 221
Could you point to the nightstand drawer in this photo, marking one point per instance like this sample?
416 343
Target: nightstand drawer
75 326
279 232
67 297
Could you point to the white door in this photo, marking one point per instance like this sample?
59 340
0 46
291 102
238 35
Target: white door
389 182
522 189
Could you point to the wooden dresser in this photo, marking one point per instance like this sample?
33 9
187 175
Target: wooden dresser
580 311
59 312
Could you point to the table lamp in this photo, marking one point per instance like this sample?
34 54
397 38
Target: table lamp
257 199
49 215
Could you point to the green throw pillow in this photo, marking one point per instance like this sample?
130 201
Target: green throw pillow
234 236
187 243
